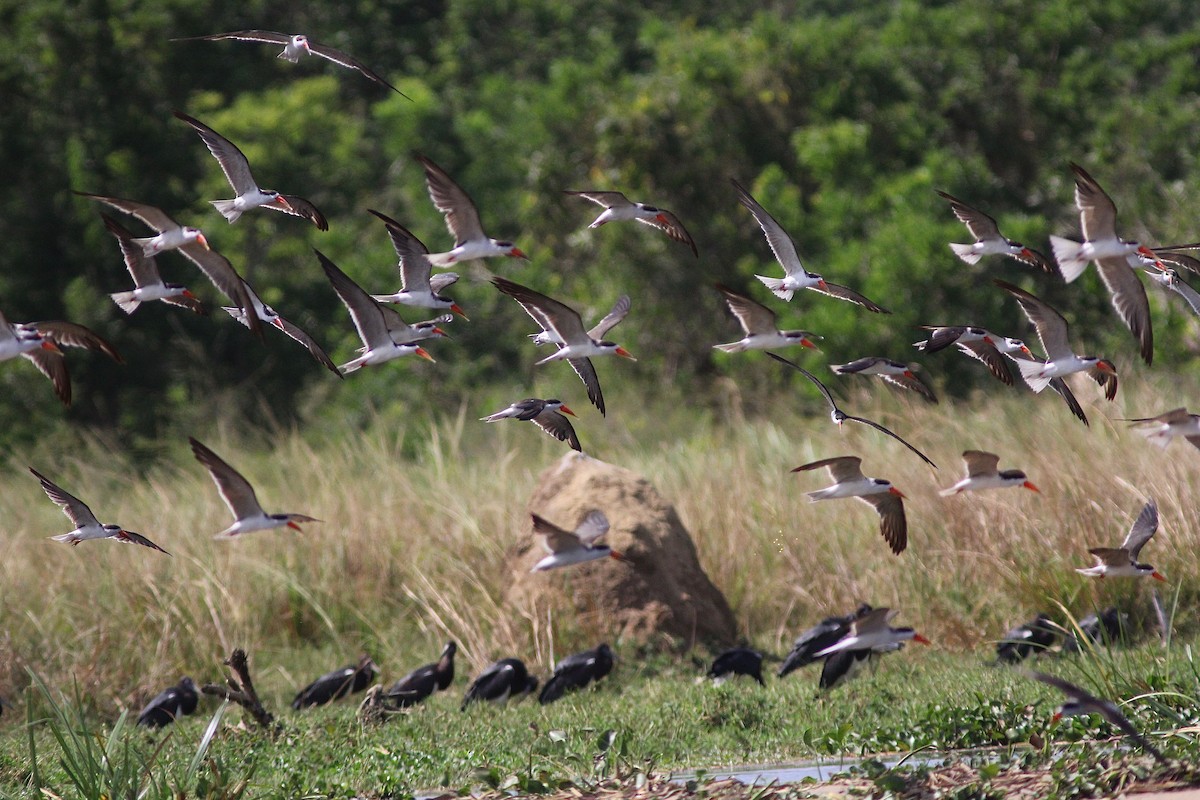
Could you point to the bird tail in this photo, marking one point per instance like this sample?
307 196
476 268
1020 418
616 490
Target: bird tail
126 301
732 347
227 209
555 688
1031 371
1066 253
966 252
1158 437
776 287
69 538
441 259
237 313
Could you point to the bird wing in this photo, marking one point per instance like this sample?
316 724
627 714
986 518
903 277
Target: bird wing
873 621
346 60
233 161
235 490
546 311
70 334
156 218
940 336
612 318
845 293
1108 380
143 270
462 218
1176 284
604 198
754 317
1143 528
1178 259
593 526
367 314
1129 300
222 274
1059 385
1051 326
844 469
1039 261
441 281
270 37
75 509
673 228
781 244
554 538
980 462
1111 556
558 426
314 349
586 371
882 429
892 522
299 207
1097 212
415 268
978 223
54 367
990 357
129 537
913 385
820 386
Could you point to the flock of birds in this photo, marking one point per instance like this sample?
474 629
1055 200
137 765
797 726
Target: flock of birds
842 643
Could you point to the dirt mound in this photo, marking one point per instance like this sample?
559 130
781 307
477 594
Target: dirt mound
659 595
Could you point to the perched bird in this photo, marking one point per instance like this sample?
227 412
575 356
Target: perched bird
1097 218
1169 280
462 218
546 414
85 522
190 243
887 500
417 286
1164 428
988 240
236 167
796 277
1081 702
239 496
577 671
170 704
567 547
982 474
894 372
293 46
506 678
872 632
1121 562
148 284
577 345
738 661
838 416
376 324
350 679
424 681
825 633
1060 359
271 317
758 323
618 207
1026 639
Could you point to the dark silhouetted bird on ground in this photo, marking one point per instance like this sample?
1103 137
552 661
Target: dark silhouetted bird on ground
337 684
170 704
424 681
506 678
577 671
738 661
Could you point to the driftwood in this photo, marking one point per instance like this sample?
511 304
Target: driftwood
241 691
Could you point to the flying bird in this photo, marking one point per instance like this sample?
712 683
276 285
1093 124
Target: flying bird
377 325
1115 258
988 239
982 473
1060 359
506 678
170 704
1121 562
85 522
872 631
838 416
239 496
462 218
573 547
737 661
271 317
1164 428
880 494
546 414
1170 281
825 633
894 372
418 287
796 276
424 681
293 46
236 167
758 323
618 207
1081 702
563 324
576 671
42 342
976 342
350 679
148 284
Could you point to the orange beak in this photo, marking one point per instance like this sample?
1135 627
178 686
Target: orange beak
908 373
1026 351
294 526
1148 253
440 332
566 410
1029 485
423 353
1057 716
1027 253
200 238
277 322
621 351
1158 576
919 638
516 253
897 492
454 307
821 284
189 295
617 556
806 342
51 346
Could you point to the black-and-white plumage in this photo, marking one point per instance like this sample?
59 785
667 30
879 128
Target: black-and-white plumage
505 679
577 671
825 633
546 414
85 522
737 661
989 240
170 704
424 681
1026 639
350 679
619 207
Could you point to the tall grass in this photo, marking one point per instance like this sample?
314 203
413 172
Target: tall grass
419 519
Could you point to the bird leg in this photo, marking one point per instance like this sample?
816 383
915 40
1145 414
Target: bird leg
241 691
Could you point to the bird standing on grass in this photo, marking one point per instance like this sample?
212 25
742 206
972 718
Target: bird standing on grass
424 681
170 704
576 672
350 679
738 661
504 679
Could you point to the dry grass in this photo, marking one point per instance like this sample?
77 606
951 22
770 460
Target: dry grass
418 525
